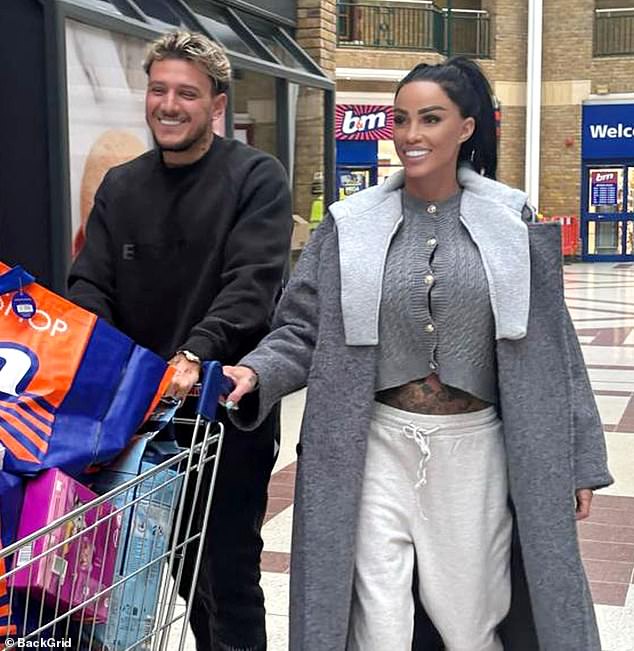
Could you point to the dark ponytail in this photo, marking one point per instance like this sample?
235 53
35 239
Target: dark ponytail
468 88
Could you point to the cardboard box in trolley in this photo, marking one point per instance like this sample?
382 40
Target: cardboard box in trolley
145 537
71 574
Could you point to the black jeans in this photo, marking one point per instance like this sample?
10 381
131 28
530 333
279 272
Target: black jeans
228 607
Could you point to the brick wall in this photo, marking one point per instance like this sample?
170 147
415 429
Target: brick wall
566 68
615 73
512 146
509 29
567 43
560 162
317 31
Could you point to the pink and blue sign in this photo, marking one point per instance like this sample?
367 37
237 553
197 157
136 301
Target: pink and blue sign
363 122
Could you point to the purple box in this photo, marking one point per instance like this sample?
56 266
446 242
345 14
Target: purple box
78 570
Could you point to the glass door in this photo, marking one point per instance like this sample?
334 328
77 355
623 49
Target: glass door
608 212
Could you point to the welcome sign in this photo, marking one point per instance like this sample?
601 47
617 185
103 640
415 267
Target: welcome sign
608 131
363 122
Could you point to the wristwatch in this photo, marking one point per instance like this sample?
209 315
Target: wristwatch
189 356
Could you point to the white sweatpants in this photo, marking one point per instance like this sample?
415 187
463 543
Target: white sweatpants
434 492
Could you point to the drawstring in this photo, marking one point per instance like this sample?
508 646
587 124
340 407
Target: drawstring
420 436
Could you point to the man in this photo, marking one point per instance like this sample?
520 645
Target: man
185 251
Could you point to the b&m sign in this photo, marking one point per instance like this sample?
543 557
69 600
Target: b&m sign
604 188
363 122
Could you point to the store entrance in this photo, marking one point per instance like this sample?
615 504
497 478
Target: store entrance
354 178
607 216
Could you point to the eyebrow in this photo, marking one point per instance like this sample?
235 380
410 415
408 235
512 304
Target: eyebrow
179 86
427 109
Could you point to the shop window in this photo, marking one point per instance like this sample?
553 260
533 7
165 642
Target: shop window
284 55
255 119
306 117
215 21
606 238
630 189
160 10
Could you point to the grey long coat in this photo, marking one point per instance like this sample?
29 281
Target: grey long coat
553 434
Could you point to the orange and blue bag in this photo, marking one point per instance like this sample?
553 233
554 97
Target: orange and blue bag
73 389
11 496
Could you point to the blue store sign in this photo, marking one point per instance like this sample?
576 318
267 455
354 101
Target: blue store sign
608 131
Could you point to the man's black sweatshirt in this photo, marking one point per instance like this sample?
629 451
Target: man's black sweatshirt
188 258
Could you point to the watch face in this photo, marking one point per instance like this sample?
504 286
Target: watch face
190 357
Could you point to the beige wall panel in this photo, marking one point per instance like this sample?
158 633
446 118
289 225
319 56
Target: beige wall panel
565 93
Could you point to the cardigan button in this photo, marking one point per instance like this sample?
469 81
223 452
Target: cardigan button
431 209
298 449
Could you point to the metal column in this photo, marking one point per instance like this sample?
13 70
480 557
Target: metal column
533 100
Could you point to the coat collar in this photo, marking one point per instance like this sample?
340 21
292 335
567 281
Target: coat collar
490 211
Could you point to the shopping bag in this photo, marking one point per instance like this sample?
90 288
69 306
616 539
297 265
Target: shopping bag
73 389
11 497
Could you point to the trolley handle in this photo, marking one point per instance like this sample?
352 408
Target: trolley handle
214 385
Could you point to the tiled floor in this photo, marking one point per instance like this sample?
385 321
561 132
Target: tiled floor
601 301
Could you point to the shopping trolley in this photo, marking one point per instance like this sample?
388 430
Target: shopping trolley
107 575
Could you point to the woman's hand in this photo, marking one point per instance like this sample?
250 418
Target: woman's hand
245 380
584 500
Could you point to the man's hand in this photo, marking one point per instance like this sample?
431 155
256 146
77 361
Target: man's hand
245 380
584 499
187 374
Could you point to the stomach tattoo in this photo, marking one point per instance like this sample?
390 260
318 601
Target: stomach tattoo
429 396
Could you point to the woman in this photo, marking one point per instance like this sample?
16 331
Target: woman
448 405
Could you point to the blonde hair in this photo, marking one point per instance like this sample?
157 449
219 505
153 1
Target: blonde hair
196 48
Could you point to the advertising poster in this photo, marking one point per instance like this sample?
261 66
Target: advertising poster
604 187
106 115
